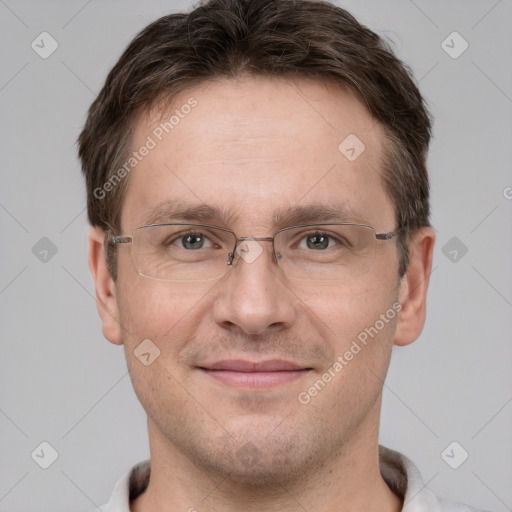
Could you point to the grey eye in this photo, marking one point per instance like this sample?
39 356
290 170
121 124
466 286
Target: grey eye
191 241
318 241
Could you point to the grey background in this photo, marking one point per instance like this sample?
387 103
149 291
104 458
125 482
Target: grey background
62 382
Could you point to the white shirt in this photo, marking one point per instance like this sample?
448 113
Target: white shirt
397 470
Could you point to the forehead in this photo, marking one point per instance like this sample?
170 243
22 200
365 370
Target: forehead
253 147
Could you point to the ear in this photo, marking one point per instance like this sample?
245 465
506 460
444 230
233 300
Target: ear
413 287
106 292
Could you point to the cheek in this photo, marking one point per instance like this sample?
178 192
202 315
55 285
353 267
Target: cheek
347 308
360 344
159 319
166 313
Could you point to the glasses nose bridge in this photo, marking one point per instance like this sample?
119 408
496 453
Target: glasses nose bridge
260 239
231 255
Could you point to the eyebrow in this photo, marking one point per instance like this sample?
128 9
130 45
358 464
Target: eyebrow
315 213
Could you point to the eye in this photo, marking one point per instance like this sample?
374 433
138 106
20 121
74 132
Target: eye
320 241
190 241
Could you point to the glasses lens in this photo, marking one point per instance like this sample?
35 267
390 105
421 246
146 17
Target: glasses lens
181 252
326 252
190 252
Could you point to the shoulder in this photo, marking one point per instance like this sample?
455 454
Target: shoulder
127 488
403 477
451 506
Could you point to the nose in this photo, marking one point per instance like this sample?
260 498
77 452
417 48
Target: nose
254 296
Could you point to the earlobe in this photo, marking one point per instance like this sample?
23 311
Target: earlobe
105 287
414 286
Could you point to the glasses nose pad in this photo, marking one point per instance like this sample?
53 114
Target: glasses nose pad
276 257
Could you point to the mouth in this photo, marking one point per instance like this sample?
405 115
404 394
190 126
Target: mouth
251 374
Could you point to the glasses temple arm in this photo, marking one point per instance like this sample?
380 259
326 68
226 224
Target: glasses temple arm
121 239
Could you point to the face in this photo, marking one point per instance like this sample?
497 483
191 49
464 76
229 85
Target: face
251 148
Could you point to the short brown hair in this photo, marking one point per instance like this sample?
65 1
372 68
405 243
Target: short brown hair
270 38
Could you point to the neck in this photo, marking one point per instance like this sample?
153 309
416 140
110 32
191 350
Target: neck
349 481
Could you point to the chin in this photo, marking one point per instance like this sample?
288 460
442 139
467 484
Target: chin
253 468
271 460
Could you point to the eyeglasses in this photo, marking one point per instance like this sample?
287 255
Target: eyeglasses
199 252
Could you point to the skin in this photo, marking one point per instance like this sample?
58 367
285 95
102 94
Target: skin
251 146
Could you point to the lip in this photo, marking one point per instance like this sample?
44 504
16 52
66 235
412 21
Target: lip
252 374
240 365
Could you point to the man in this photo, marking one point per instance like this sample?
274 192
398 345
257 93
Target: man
260 240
